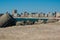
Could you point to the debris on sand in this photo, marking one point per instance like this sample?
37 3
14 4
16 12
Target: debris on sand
6 20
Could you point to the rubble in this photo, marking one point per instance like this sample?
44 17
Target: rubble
6 20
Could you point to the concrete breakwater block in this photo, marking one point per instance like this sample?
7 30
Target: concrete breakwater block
6 20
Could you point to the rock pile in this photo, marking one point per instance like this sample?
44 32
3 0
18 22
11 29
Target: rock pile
6 20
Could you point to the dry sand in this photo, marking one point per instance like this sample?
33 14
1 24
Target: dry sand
31 32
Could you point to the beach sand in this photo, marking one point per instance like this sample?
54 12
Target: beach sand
31 32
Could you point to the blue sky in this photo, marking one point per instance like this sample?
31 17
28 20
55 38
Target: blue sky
30 5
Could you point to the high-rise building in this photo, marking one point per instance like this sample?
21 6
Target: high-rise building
42 14
58 14
26 14
54 14
49 14
14 13
33 14
39 15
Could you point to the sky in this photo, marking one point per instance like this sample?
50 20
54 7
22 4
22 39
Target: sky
30 5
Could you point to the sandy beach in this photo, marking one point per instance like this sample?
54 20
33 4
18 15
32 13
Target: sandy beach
31 32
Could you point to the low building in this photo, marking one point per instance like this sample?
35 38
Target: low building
58 14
